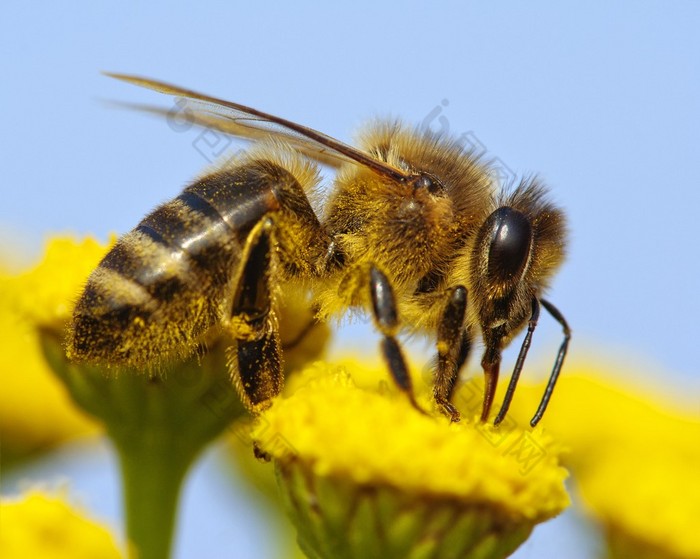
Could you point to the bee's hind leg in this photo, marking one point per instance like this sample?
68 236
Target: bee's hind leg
387 322
255 359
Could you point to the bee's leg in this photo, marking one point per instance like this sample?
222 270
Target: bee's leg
255 360
281 238
465 346
532 323
452 348
387 322
551 309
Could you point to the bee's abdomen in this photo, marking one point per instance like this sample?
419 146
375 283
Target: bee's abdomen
163 284
159 288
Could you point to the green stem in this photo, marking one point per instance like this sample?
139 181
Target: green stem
159 425
153 470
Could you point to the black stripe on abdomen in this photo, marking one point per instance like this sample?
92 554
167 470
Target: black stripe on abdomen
200 205
242 195
189 226
137 261
196 238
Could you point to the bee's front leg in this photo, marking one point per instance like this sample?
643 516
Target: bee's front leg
556 314
255 359
531 325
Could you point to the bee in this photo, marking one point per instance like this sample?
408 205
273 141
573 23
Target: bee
414 231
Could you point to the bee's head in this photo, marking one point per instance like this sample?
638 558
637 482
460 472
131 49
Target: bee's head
515 252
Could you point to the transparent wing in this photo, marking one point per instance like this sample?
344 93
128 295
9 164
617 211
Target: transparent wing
248 132
240 120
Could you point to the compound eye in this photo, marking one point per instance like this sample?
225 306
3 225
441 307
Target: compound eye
511 241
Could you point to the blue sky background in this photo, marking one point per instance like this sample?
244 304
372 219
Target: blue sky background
603 101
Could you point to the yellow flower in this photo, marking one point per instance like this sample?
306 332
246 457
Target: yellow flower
46 293
365 475
35 410
647 498
635 459
42 526
158 424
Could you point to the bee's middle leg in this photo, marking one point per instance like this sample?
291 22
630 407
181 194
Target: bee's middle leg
453 343
255 359
387 322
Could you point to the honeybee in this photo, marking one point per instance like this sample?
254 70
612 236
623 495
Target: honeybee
414 231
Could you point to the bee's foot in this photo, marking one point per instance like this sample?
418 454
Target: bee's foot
449 410
260 454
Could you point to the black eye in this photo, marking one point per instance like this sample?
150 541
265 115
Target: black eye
511 238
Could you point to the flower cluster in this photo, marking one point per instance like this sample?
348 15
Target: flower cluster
635 457
40 525
362 470
362 473
35 408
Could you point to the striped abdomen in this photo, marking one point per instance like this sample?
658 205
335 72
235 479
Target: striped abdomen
163 284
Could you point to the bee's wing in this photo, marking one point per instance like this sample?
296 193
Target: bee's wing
249 131
248 122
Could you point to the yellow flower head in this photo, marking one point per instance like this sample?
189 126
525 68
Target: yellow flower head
635 461
646 498
482 488
46 294
35 410
158 423
38 525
